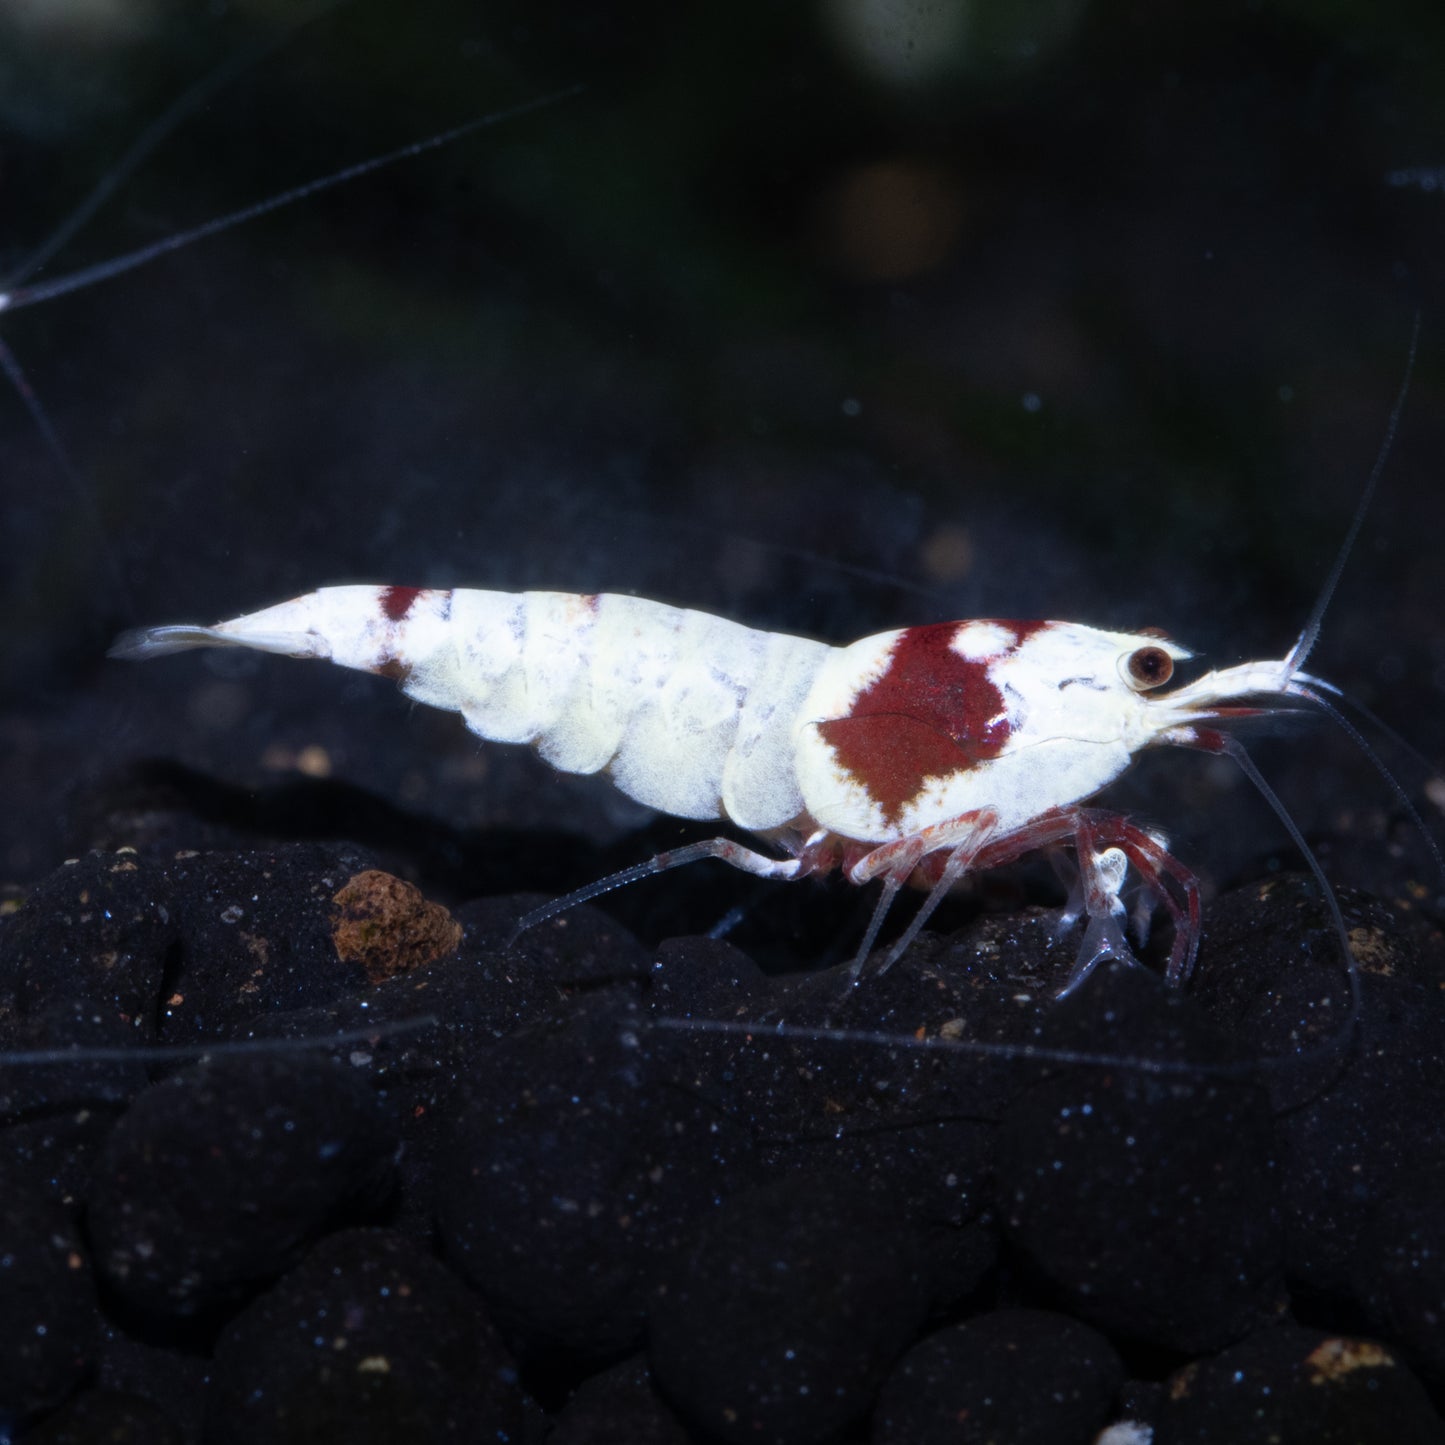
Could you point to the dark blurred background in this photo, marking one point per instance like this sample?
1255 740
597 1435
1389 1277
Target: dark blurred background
826 316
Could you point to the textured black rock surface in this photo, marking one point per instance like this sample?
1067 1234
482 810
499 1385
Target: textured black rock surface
782 1318
370 1339
1102 1184
50 1322
1293 1384
220 1176
799 1228
1024 1376
821 323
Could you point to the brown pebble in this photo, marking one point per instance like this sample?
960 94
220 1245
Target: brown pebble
387 926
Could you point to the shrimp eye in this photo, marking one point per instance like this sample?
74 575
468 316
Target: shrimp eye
1148 667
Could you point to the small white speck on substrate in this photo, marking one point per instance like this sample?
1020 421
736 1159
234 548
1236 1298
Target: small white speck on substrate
1032 401
852 406
358 1058
1125 1432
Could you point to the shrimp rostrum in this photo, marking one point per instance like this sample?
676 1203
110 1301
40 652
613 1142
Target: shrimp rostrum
912 756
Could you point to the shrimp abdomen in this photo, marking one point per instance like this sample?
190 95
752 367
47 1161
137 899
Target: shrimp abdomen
692 714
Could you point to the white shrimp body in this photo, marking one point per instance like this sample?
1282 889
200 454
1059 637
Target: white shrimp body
691 714
913 755
872 743
906 729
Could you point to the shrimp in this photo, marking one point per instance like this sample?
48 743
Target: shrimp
914 755
917 756
870 759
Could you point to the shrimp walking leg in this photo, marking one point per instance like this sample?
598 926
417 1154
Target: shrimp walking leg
958 841
1103 842
726 849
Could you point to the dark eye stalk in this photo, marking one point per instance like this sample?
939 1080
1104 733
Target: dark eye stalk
1149 667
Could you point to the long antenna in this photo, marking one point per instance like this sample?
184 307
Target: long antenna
1236 750
1402 797
23 296
147 1053
1299 653
189 101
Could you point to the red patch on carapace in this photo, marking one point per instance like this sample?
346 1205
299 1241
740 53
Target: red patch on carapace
396 601
930 714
